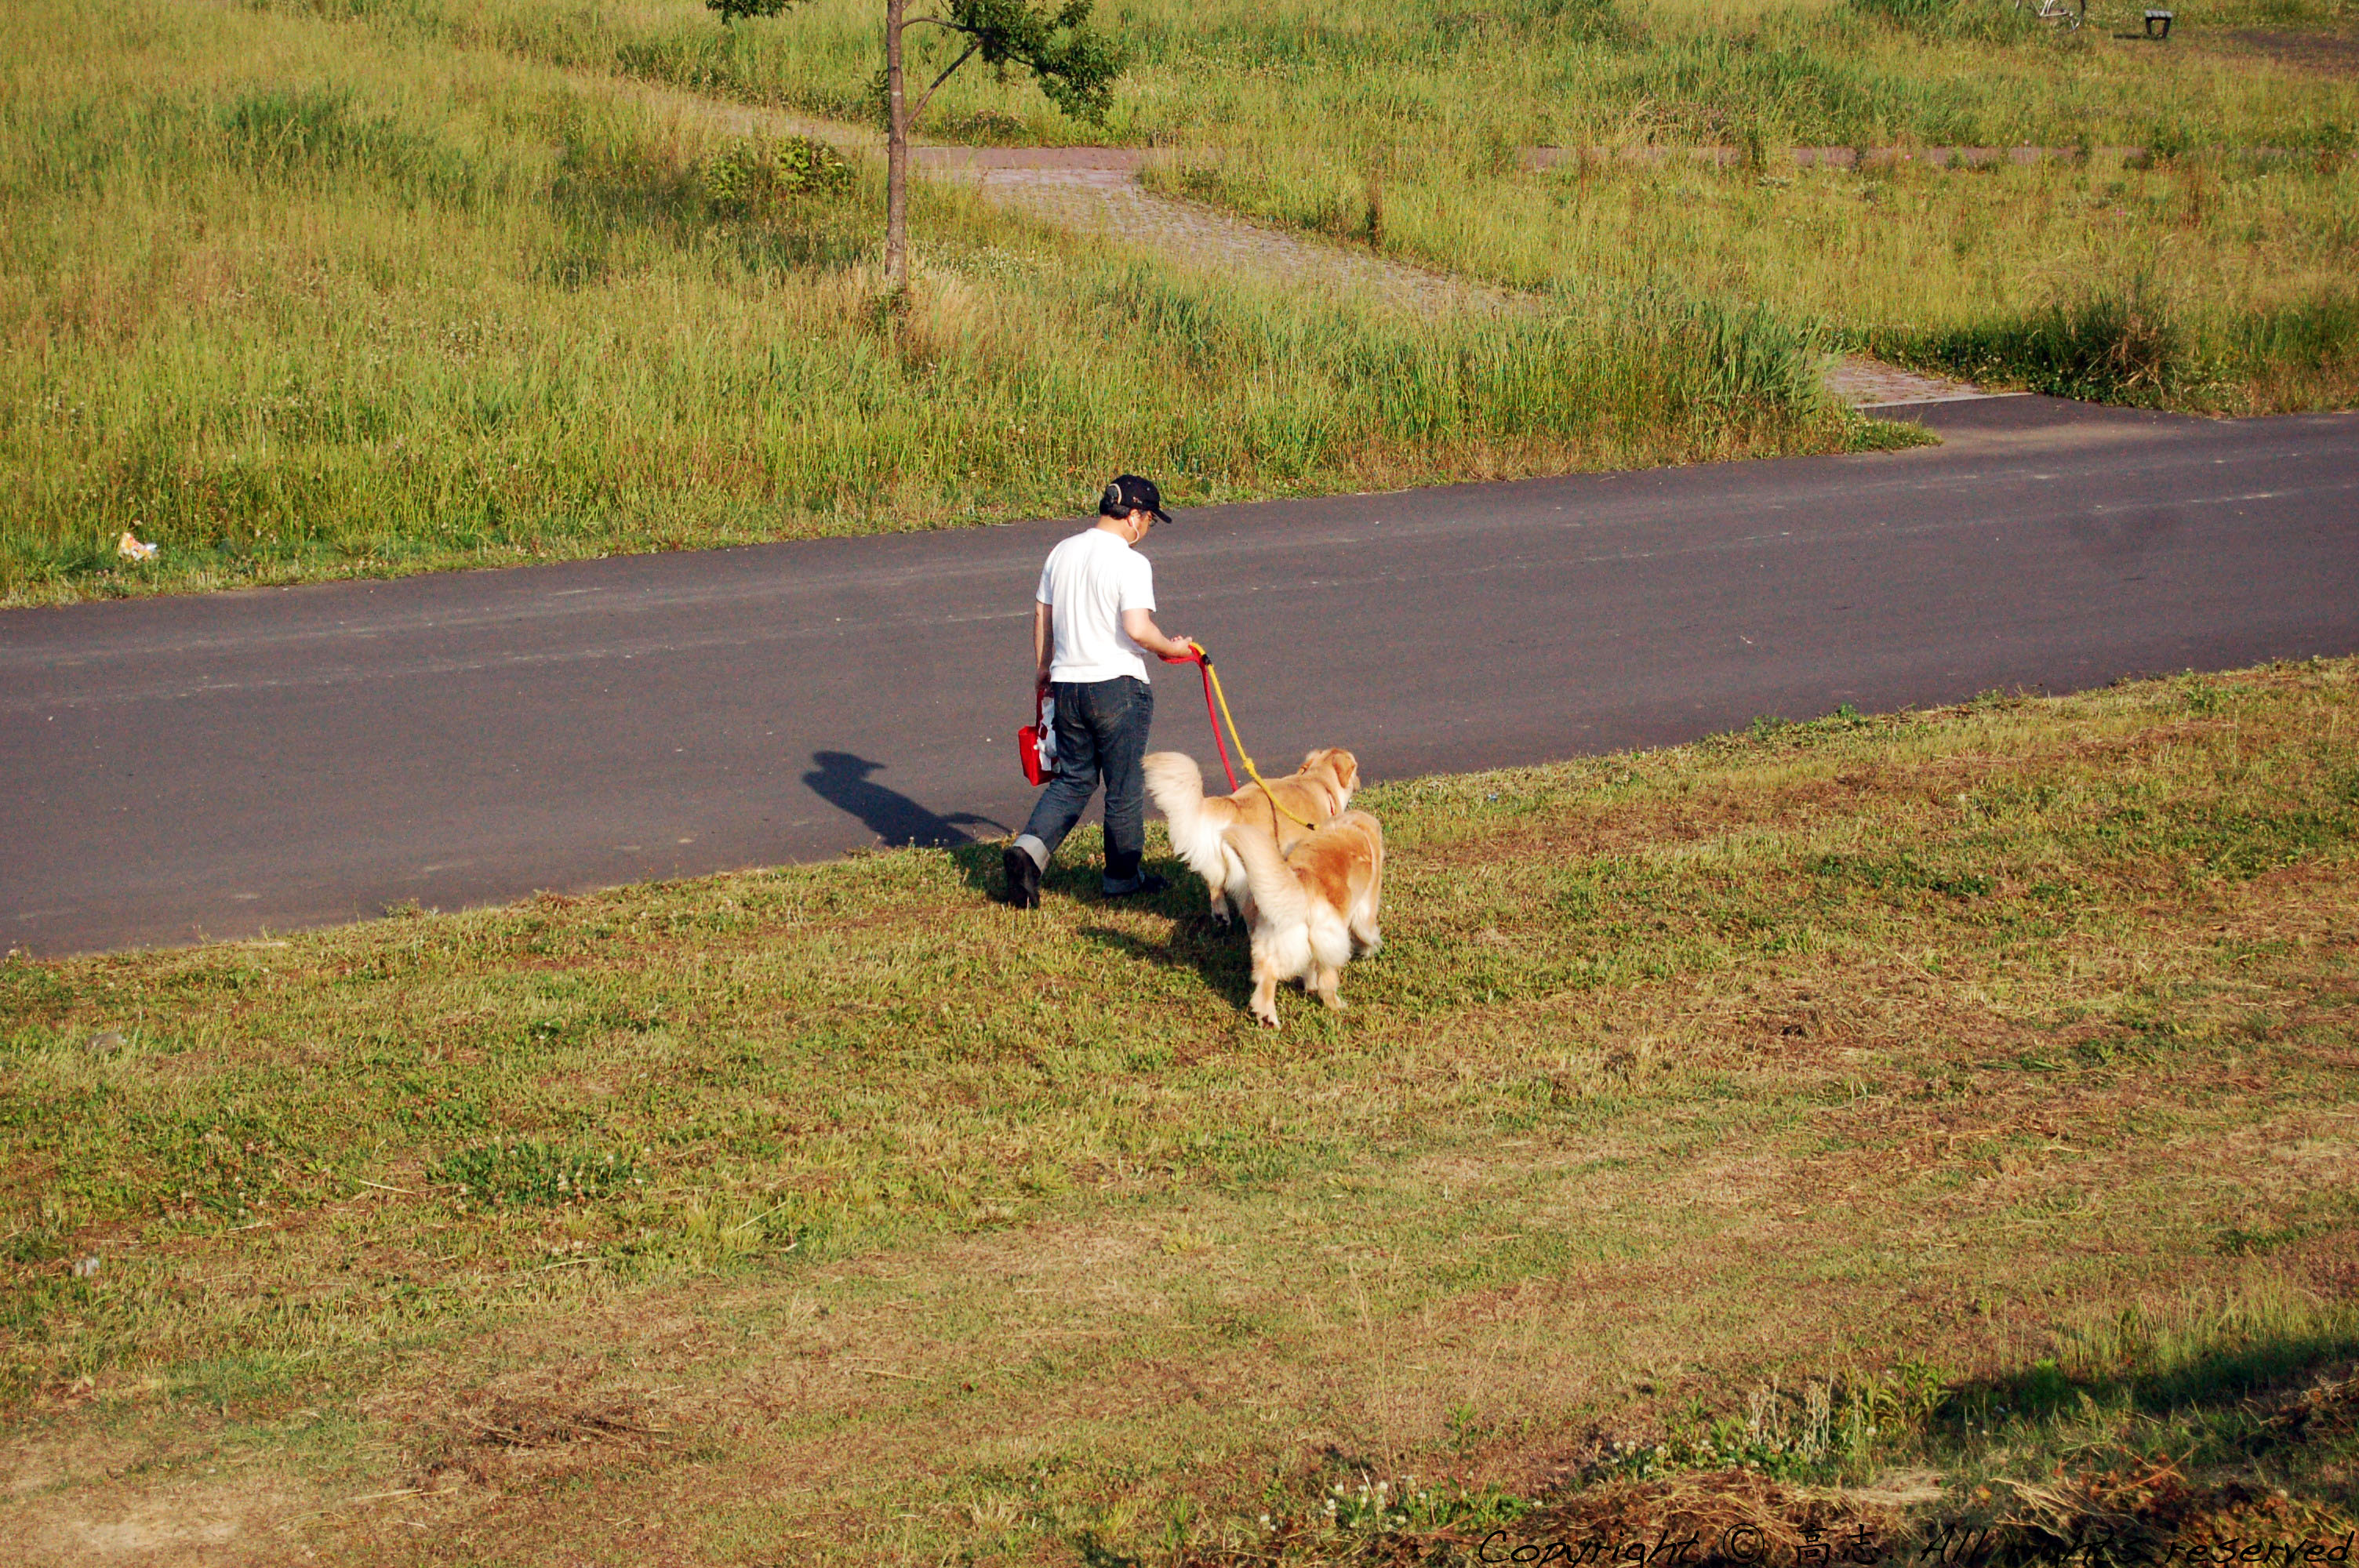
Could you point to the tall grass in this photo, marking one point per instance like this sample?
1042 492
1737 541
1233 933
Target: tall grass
290 296
1565 70
1402 126
2130 346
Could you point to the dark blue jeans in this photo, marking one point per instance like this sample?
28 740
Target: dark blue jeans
1100 735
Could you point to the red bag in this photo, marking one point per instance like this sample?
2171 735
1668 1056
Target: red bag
1036 743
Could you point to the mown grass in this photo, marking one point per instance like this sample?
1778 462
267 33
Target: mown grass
1983 1070
292 299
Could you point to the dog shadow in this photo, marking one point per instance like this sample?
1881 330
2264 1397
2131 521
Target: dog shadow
1216 954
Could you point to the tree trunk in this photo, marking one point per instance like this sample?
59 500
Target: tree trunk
896 156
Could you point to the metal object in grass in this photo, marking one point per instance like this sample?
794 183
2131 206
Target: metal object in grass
2158 25
2065 14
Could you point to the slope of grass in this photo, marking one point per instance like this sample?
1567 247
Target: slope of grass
292 299
1565 72
2221 285
2197 278
1963 1090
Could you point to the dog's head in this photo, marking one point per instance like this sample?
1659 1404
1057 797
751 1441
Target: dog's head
1337 767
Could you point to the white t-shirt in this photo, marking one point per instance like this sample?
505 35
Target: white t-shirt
1089 580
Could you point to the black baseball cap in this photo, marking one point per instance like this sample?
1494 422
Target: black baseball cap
1130 493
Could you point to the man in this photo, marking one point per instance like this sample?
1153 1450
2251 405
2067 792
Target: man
1092 625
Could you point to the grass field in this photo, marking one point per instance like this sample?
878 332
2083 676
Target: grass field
338 286
291 299
1858 1124
1565 73
2198 278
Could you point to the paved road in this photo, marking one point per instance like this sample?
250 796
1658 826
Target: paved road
215 766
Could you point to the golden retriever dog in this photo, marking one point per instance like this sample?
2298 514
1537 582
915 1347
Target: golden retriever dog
1315 792
1312 906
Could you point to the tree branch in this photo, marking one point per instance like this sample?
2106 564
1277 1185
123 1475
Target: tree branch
927 95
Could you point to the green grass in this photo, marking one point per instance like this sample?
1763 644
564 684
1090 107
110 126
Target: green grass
1567 72
1981 1069
319 289
2205 280
293 298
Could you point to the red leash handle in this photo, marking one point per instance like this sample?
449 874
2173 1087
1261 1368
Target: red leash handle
1203 662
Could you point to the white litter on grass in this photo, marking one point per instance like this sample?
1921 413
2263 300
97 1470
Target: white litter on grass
132 548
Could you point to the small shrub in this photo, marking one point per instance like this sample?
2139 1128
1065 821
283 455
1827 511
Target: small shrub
800 164
743 177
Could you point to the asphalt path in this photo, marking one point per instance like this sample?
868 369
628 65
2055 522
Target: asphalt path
219 766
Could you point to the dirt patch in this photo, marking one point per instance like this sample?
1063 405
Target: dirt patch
2329 54
205 1522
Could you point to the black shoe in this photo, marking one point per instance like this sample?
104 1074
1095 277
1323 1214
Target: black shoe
1023 879
1148 884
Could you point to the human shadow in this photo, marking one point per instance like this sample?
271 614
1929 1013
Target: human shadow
842 779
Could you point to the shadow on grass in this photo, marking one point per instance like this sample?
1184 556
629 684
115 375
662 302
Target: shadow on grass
2231 1412
979 868
1214 954
2247 1422
2155 1378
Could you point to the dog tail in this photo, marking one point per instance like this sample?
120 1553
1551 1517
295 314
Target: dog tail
1177 786
1278 893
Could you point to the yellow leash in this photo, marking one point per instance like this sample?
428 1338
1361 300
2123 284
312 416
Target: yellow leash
1251 772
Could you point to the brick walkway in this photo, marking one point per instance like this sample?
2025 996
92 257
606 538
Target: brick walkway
1870 158
1097 190
1871 384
